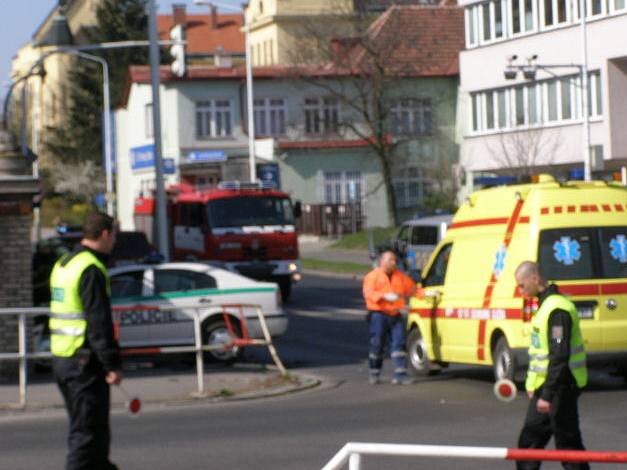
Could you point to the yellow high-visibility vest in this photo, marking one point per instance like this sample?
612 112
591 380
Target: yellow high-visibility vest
539 348
67 316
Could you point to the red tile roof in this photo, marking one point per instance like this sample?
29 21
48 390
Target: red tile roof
202 38
416 41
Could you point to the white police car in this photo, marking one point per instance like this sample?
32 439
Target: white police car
186 284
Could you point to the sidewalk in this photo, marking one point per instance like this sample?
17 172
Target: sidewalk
164 385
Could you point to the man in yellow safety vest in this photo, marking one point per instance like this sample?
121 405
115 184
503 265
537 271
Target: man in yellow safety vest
557 369
86 357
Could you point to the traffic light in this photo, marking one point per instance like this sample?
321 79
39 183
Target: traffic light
177 51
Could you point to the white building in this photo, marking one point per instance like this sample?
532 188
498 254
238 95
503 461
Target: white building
523 126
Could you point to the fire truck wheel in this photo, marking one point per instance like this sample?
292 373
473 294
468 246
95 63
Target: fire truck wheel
216 332
285 284
503 360
418 361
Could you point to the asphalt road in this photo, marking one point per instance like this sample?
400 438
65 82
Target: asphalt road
304 430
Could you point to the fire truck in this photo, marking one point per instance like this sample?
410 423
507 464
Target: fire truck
245 228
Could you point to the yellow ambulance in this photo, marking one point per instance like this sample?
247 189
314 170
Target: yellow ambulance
468 309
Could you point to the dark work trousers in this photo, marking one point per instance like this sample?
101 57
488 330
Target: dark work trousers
562 422
381 327
86 395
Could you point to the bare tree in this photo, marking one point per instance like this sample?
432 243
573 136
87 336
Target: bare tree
523 151
365 73
81 181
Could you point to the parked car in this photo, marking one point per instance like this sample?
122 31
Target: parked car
186 284
417 238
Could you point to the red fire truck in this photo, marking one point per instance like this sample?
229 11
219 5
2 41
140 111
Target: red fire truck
246 228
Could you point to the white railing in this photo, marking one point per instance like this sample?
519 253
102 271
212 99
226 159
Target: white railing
352 454
196 312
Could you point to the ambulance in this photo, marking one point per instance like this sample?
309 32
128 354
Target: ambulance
468 309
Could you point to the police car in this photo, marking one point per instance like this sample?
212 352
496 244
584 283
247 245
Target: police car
190 285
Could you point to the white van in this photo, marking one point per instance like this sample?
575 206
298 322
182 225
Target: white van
417 238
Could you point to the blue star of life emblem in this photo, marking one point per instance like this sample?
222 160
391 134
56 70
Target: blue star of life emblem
567 251
499 262
618 248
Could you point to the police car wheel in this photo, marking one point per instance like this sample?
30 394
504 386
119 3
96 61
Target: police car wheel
418 361
214 333
503 360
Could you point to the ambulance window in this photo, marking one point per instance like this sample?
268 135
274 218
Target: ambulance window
613 242
437 273
567 253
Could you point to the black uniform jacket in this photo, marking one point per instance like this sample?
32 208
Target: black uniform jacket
559 377
97 304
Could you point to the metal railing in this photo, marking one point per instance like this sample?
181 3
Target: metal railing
352 454
196 312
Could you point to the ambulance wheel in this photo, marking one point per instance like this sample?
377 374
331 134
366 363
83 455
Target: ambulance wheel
503 360
418 361
216 333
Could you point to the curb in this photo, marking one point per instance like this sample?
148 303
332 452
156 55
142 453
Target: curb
301 382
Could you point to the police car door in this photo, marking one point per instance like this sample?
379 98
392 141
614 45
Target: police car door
127 289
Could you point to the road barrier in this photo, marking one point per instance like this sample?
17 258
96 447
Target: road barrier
352 452
196 312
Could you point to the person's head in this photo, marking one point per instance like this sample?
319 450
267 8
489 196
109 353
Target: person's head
99 232
387 261
529 279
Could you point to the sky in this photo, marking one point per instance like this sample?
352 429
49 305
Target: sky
22 17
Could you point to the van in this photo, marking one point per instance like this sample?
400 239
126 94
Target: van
468 309
417 238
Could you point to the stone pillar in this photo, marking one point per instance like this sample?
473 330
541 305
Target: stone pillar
17 188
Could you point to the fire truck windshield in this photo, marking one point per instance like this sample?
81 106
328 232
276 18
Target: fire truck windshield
250 210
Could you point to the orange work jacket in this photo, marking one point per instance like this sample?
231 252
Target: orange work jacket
377 283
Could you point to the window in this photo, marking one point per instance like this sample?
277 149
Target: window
584 253
176 280
617 5
127 284
555 12
250 210
213 119
520 106
595 100
411 117
471 19
522 16
322 116
551 96
533 102
502 108
149 133
424 235
476 110
437 271
342 187
595 7
403 234
489 110
409 186
566 253
270 116
613 242
566 98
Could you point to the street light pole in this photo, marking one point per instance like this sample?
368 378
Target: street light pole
249 88
587 157
161 213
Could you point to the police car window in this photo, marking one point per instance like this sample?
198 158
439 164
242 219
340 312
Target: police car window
566 254
403 234
437 272
424 235
175 280
613 241
127 284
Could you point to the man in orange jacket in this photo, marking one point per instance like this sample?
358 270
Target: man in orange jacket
385 289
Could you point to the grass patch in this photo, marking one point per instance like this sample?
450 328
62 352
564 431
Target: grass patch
55 209
359 240
335 266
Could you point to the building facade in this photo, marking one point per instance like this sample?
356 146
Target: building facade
527 126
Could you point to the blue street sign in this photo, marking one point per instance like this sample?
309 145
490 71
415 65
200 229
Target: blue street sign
206 156
269 174
143 157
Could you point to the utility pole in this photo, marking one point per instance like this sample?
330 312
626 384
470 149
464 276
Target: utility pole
161 213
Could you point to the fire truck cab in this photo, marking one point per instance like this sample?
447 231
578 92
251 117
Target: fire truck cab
245 228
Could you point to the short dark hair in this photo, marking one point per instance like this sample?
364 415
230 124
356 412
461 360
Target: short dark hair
95 223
